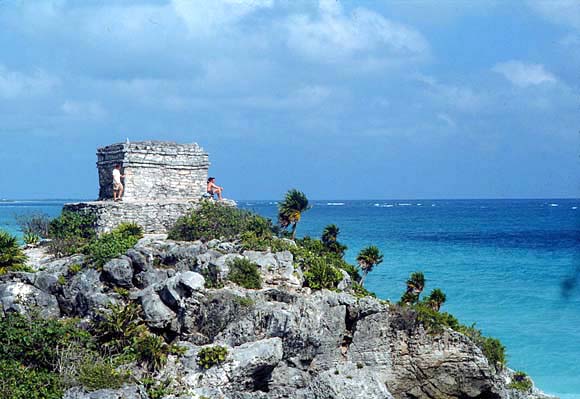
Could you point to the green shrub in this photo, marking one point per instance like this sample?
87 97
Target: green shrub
70 232
31 238
75 268
73 225
521 382
360 292
321 274
21 382
35 341
36 224
118 327
308 250
212 279
253 242
213 220
245 273
152 350
244 301
12 259
110 245
434 321
492 348
157 389
211 355
101 374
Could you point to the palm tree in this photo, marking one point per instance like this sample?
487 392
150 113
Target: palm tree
415 285
291 208
436 298
330 234
330 239
11 256
368 258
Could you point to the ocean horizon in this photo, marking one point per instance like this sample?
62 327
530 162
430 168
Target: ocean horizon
501 262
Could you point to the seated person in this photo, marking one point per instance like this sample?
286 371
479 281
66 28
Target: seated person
213 189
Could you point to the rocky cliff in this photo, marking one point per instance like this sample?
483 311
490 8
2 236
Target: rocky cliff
283 340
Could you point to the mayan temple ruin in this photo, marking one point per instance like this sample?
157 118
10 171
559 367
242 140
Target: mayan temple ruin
163 180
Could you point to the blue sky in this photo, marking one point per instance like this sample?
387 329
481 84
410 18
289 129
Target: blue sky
351 99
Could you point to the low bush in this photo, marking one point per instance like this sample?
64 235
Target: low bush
213 220
245 273
308 250
70 232
211 356
253 242
521 382
72 225
21 382
121 332
492 348
321 274
212 278
118 327
34 342
360 292
113 244
31 238
157 389
101 374
36 224
12 259
433 321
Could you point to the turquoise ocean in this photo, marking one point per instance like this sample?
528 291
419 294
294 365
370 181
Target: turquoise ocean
502 264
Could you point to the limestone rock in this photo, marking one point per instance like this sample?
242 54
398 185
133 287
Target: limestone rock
119 272
22 298
127 392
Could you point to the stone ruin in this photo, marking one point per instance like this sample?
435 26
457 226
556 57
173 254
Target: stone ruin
154 170
163 180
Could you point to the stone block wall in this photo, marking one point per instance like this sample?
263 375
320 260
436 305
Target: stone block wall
154 170
153 216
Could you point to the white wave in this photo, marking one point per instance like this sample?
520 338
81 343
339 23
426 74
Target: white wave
419 204
335 203
554 205
574 207
377 205
388 205
404 204
433 205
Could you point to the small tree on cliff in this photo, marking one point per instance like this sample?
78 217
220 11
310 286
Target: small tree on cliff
367 259
330 240
291 208
415 285
436 298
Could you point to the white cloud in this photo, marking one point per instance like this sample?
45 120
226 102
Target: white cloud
461 98
335 36
83 109
523 75
15 84
561 12
447 119
209 17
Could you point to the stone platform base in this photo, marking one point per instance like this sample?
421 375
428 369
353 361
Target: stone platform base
154 216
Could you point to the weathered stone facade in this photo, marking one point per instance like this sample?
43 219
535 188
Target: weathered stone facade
154 170
163 180
153 216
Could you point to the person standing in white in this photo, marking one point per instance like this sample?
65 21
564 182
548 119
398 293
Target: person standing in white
117 185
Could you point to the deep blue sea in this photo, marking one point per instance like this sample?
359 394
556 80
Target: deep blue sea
500 262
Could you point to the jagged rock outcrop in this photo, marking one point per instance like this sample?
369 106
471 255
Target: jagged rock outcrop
284 341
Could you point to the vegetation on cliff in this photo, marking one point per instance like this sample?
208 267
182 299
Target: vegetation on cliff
52 355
